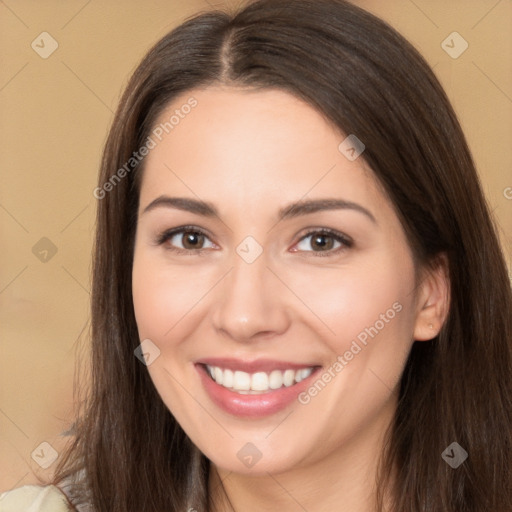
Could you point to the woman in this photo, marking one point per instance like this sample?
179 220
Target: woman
299 299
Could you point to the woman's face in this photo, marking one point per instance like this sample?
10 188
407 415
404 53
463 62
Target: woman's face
260 291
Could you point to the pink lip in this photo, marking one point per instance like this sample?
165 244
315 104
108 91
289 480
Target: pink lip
251 406
259 365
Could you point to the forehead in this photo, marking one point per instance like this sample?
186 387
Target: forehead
249 147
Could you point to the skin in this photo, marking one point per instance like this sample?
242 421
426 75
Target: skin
251 153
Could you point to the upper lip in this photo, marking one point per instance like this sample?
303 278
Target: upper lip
259 365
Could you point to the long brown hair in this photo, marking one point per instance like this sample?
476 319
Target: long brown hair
367 80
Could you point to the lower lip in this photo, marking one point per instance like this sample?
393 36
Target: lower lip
251 406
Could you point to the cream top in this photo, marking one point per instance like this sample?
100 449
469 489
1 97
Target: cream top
34 498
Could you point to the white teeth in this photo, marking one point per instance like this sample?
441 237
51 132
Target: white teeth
275 380
259 381
288 378
303 374
247 383
241 380
307 372
227 379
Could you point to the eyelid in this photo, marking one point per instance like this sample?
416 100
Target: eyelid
169 233
346 241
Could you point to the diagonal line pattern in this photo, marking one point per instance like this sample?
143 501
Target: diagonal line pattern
302 301
14 279
492 81
14 218
75 279
79 335
13 13
272 227
286 491
411 292
14 423
13 77
424 13
193 192
22 478
87 87
198 301
279 424
486 14
222 480
74 218
197 401
75 15
369 369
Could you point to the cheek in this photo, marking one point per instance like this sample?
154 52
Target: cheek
161 299
369 311
151 301
163 294
349 302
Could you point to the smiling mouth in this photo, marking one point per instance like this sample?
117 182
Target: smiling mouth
259 382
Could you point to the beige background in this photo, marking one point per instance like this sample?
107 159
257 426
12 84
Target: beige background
55 114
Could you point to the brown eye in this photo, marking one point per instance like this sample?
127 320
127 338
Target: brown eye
185 240
324 241
192 240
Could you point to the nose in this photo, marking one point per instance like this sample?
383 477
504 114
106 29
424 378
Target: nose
250 302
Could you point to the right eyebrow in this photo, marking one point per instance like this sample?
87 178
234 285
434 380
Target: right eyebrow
182 203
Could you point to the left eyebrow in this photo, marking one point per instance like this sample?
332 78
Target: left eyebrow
290 211
317 205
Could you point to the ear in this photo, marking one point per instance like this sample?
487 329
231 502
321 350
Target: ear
433 299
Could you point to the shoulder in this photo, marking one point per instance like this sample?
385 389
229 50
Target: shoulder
34 498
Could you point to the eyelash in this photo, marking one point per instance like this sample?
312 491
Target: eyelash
346 242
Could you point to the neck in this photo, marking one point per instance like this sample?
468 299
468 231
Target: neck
344 481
